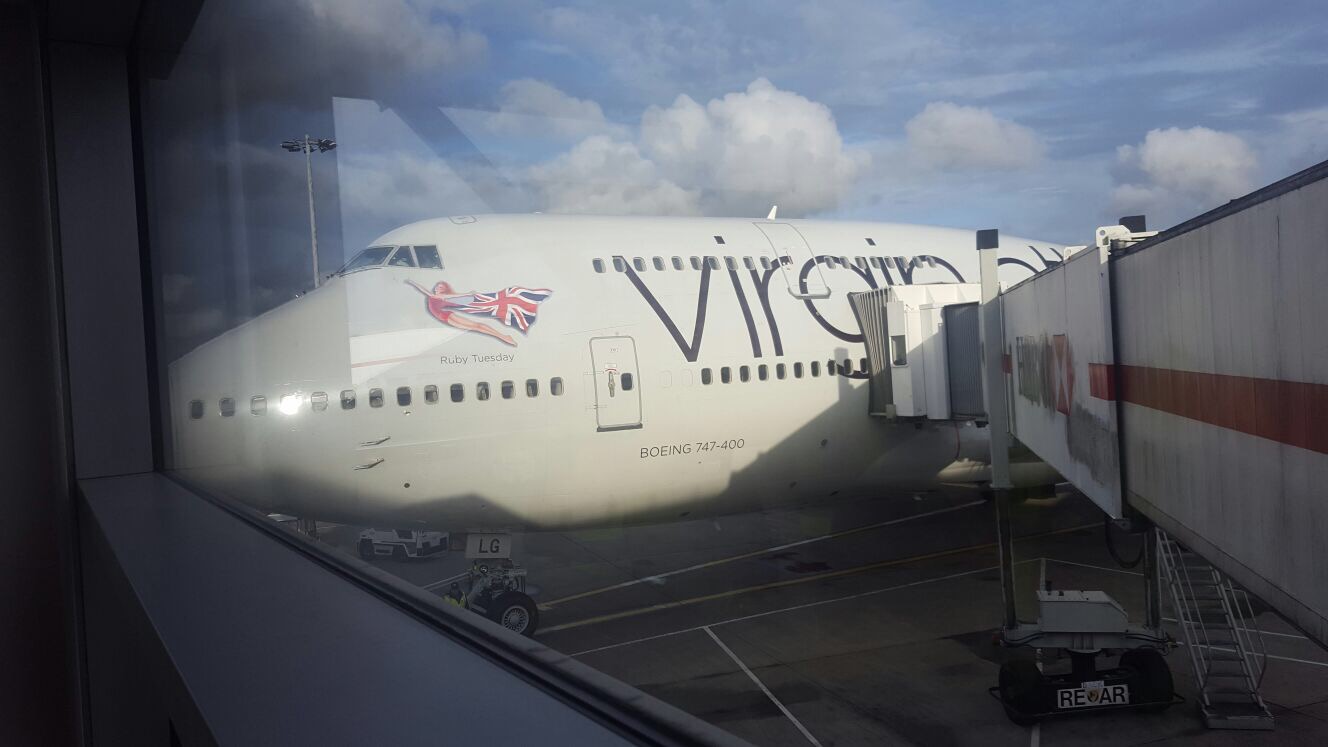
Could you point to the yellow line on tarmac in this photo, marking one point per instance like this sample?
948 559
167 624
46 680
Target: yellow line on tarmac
546 606
793 581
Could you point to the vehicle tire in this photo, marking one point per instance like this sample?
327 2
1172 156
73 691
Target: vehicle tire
1155 684
515 611
366 549
1020 685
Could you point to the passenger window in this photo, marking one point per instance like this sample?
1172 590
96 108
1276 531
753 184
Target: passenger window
458 392
658 262
196 409
726 375
627 382
348 399
744 374
780 371
482 391
375 397
719 239
843 261
403 396
258 405
797 370
871 242
639 263
705 376
532 387
318 400
749 263
677 263
731 263
862 365
226 406
830 367
619 265
428 257
876 262
556 386
848 367
713 262
862 262
696 263
598 264
889 263
765 263
508 389
763 372
431 394
402 258
816 368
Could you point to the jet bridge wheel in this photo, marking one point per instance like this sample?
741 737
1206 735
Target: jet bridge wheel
1155 684
1020 686
515 611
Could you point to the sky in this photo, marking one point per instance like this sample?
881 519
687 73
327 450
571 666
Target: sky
1042 120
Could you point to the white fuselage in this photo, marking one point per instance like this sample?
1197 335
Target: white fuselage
635 433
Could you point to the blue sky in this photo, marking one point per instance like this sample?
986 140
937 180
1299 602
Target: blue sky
1043 120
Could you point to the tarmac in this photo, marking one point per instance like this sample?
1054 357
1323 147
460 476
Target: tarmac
869 621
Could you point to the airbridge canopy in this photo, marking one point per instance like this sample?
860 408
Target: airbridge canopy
1185 375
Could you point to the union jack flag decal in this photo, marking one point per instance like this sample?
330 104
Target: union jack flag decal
515 306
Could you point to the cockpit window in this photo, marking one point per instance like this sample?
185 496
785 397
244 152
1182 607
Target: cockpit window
428 256
371 257
403 258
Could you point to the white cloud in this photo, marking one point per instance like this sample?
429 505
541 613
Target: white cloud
951 137
753 148
534 106
606 176
381 191
1174 171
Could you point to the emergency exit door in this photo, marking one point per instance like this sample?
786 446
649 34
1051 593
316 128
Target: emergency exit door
617 385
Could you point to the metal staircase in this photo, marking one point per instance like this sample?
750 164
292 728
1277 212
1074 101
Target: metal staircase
1225 648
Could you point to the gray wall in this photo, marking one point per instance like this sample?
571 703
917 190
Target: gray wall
35 620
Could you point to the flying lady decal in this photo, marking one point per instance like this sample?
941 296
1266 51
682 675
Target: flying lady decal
515 306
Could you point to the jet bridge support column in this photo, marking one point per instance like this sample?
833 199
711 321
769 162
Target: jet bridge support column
993 347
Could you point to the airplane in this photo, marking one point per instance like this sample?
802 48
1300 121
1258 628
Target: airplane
494 373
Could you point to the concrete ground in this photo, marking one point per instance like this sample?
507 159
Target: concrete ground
866 622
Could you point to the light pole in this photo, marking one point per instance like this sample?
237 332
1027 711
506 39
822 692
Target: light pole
307 146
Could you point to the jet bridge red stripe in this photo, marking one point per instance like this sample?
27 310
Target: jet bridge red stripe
1289 412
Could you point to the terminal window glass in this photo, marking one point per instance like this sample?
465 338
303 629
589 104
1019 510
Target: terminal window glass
458 392
403 396
508 389
226 406
258 405
428 257
431 394
482 390
556 386
318 401
348 399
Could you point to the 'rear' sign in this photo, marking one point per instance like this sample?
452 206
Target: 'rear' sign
1093 694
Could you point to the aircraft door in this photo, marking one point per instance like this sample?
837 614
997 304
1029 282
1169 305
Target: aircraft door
787 242
617 384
